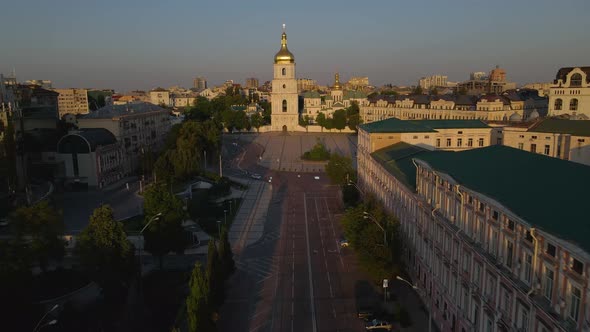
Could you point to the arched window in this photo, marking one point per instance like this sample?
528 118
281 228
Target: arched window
558 104
284 71
284 105
574 104
576 80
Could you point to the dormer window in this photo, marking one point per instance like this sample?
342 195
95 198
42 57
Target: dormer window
576 80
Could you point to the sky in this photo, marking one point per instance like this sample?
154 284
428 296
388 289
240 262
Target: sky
129 44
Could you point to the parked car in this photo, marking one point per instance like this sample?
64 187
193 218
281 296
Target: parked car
378 324
344 243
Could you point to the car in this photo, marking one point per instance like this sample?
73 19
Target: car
344 243
316 177
256 176
378 324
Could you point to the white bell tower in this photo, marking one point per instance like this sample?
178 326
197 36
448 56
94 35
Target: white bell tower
284 97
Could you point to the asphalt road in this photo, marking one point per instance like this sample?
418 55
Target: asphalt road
296 277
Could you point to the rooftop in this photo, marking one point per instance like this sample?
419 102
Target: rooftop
113 111
562 126
519 181
395 125
397 160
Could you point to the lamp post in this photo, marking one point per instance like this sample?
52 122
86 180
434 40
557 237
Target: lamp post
157 216
367 215
219 228
225 217
430 306
38 327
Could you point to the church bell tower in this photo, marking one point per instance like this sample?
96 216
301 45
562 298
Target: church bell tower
284 98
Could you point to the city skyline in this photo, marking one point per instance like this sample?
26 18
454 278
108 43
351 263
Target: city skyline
388 42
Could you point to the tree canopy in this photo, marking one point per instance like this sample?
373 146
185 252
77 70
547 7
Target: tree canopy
339 169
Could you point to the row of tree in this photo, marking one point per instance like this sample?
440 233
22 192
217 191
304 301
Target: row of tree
207 288
342 118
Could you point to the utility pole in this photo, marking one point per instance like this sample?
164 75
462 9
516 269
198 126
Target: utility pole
220 171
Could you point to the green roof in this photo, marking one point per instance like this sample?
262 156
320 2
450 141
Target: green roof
395 125
311 94
572 127
549 193
354 94
397 160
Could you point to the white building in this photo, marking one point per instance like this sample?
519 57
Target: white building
284 98
570 93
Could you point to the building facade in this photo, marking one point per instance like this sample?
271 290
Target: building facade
160 97
200 83
284 97
570 93
137 127
306 84
434 81
72 101
483 255
252 83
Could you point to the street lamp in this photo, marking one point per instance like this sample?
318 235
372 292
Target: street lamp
219 228
225 217
367 215
37 327
416 288
157 216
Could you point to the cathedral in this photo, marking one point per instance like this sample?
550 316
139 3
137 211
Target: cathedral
284 98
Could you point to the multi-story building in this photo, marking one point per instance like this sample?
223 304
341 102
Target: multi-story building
337 98
160 97
491 242
570 93
252 83
434 81
558 138
137 127
306 84
495 82
357 83
72 101
45 84
200 83
91 156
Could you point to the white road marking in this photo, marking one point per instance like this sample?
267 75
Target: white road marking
313 319
334 233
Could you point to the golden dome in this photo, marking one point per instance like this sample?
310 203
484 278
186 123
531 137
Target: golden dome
337 85
284 56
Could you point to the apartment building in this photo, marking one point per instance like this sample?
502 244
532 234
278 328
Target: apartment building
490 241
570 93
160 97
558 138
72 101
434 81
137 127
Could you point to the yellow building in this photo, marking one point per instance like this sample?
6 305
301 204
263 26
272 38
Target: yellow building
160 97
72 101
570 93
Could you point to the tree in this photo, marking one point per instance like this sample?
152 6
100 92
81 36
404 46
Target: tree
256 120
8 161
226 255
317 153
15 282
329 123
266 111
228 119
418 90
43 226
321 120
197 302
304 121
105 253
339 119
165 233
214 275
353 121
163 168
434 91
353 109
339 169
240 120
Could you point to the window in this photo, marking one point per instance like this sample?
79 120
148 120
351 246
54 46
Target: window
470 142
476 274
521 146
448 142
505 300
577 266
548 283
284 86
523 319
575 296
438 142
576 80
426 136
415 137
459 142
509 253
528 261
460 132
499 141
495 215
284 71
528 236
558 104
574 104
482 207
533 148
481 142
284 105
550 250
546 151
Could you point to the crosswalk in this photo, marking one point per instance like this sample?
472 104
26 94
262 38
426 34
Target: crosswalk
260 268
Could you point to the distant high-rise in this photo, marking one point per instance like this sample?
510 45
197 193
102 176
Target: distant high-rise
200 83
304 84
430 82
477 75
357 83
45 84
251 82
72 101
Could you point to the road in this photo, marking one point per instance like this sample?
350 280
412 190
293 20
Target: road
296 277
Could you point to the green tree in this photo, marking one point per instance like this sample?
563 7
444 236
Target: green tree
240 120
417 90
214 275
172 136
266 111
43 226
228 118
105 253
339 169
226 255
353 122
320 119
165 233
434 91
304 121
329 123
197 302
15 282
339 119
256 120
317 153
163 167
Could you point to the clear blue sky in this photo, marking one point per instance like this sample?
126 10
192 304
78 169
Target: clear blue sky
129 44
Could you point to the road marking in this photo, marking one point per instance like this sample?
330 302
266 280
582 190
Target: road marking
313 319
334 233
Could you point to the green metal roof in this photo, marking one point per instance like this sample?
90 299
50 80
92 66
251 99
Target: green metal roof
395 125
397 160
572 127
311 94
549 193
